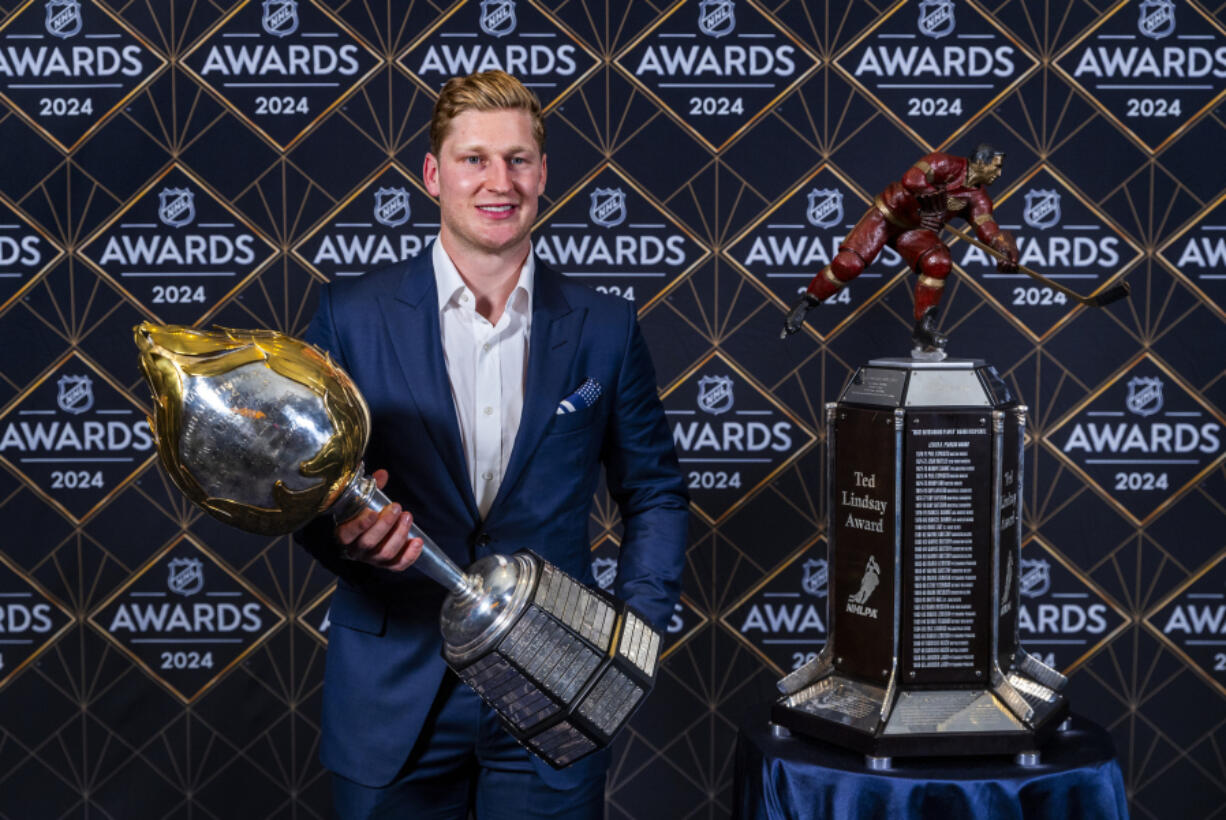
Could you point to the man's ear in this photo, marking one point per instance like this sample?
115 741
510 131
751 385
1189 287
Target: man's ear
429 174
540 188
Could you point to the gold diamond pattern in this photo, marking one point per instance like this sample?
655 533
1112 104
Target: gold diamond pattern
45 51
1149 66
285 85
936 67
186 619
1146 563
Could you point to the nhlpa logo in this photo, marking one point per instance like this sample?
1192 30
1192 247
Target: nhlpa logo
76 394
186 576
1157 18
716 17
176 206
608 207
1144 395
280 17
825 208
815 577
1036 578
498 17
604 570
715 394
63 18
936 17
392 206
1042 208
1004 595
872 577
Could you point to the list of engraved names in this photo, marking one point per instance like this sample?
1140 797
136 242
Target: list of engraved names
943 550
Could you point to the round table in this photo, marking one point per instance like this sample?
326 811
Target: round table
778 778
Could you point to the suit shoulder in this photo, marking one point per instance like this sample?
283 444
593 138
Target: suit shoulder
374 284
603 306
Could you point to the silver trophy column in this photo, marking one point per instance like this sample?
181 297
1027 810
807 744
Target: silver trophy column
925 471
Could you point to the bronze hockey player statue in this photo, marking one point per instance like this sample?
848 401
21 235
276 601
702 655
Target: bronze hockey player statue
909 216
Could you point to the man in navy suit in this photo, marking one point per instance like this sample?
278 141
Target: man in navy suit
497 388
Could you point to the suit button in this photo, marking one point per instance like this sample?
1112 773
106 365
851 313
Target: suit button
483 539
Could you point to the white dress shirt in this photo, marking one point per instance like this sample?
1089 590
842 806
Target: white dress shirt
486 364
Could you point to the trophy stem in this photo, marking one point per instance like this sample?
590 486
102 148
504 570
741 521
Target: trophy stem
362 494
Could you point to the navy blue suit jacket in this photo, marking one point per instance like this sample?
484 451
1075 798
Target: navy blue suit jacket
384 661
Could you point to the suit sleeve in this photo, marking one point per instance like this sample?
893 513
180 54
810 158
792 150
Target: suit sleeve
645 480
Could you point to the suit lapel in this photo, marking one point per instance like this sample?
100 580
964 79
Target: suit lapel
412 320
551 348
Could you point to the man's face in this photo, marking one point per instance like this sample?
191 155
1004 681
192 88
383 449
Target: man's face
487 176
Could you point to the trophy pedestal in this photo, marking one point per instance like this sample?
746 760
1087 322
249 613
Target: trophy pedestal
565 666
924 470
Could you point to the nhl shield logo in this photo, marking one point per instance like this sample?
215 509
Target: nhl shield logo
498 17
715 394
280 17
816 576
825 208
186 576
1144 395
76 394
604 570
1036 578
716 17
392 206
63 18
1157 18
176 206
1042 208
608 207
936 17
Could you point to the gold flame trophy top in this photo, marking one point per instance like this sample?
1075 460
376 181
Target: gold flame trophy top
259 429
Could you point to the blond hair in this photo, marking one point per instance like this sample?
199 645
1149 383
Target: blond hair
486 91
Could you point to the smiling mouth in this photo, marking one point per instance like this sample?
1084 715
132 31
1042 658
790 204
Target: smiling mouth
496 210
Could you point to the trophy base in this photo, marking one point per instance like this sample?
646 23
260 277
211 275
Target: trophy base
949 722
563 665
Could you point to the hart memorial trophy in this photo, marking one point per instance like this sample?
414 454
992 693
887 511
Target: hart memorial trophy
264 432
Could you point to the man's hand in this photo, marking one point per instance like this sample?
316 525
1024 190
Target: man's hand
1006 246
381 540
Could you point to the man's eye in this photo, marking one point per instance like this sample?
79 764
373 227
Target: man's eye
472 160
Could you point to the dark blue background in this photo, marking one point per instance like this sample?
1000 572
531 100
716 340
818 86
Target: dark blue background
86 732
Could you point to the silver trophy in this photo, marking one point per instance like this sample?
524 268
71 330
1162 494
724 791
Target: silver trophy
925 471
264 432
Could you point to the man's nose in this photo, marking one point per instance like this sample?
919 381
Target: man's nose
498 176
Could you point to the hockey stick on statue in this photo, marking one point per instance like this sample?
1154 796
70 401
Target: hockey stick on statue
1112 294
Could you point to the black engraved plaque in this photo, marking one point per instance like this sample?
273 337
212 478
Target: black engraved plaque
948 534
863 512
1010 532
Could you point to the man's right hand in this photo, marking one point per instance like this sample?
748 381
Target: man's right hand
382 539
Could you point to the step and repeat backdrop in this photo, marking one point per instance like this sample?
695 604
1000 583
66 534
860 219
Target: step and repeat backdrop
216 162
